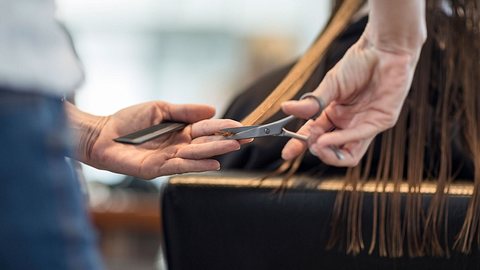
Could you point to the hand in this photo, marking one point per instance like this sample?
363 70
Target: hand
365 92
188 150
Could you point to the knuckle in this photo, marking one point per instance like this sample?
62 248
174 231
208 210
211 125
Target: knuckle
149 175
177 167
332 81
390 121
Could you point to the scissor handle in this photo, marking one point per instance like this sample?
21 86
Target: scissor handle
319 100
291 134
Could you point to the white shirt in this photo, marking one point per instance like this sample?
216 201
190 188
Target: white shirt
35 52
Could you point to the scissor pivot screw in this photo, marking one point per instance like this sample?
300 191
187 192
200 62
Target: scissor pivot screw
267 131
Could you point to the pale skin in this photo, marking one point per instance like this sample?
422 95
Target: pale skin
365 91
189 150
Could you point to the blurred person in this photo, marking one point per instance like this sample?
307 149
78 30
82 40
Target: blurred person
44 222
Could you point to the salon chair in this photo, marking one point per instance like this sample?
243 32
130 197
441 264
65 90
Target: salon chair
241 223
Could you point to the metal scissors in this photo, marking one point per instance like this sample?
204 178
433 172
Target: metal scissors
271 129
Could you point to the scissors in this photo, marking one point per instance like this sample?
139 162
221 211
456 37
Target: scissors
271 129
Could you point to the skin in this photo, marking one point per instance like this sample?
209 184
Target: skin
188 150
365 91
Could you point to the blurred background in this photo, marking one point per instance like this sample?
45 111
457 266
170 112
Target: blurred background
182 51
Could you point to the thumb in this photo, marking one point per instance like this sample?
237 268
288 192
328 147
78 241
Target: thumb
309 107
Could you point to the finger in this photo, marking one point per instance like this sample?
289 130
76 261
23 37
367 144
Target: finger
188 113
352 153
344 136
205 139
245 141
305 108
319 126
179 165
295 147
207 150
211 126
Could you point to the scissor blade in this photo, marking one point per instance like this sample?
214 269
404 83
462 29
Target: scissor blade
254 132
237 129
270 129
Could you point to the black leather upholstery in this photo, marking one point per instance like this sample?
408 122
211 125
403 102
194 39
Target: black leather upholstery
245 228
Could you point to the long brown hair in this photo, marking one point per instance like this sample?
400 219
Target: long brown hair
443 109
441 113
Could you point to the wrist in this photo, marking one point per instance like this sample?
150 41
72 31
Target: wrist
397 26
408 42
87 129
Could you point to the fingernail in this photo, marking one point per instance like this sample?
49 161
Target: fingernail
313 152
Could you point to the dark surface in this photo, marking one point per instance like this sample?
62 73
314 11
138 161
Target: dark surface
213 227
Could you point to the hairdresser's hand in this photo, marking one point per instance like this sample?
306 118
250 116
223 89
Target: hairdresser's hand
189 150
364 94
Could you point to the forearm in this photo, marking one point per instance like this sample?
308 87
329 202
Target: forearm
87 128
397 25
